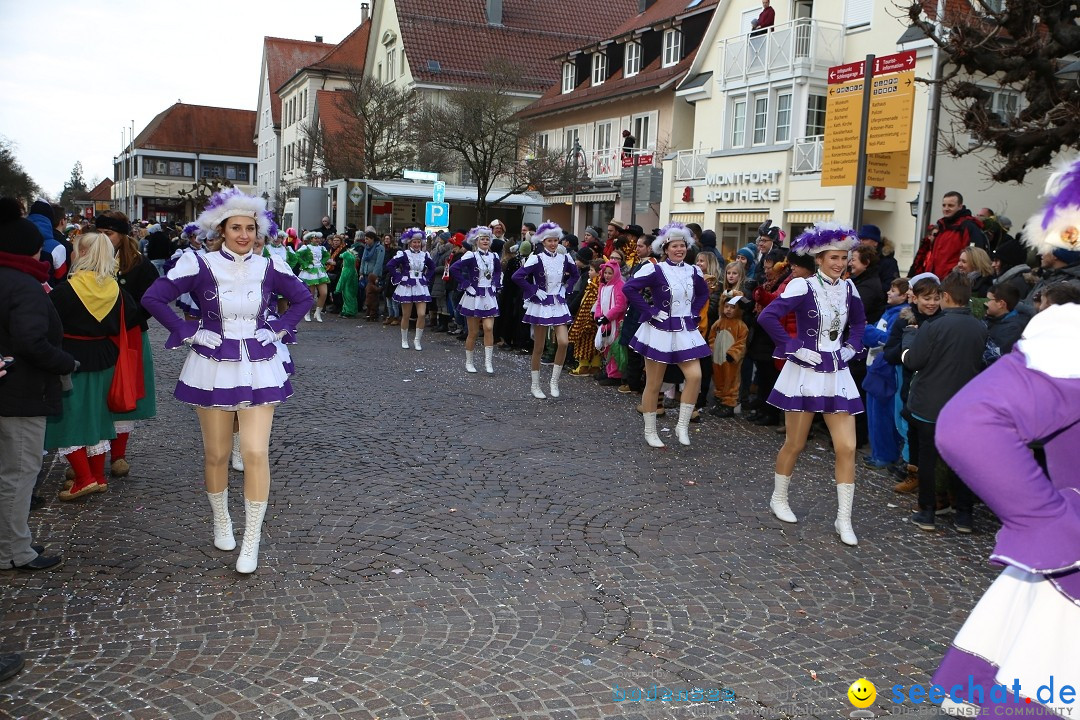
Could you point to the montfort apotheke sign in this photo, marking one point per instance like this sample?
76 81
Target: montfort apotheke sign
746 186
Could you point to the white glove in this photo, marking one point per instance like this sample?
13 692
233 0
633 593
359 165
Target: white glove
660 316
266 337
808 356
846 353
206 338
540 296
471 292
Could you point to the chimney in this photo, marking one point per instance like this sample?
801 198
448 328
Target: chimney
365 11
494 12
318 38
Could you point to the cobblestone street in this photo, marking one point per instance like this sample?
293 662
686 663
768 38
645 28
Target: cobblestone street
442 545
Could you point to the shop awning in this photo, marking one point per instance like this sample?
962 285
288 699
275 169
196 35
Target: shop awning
738 217
454 193
684 218
583 198
805 217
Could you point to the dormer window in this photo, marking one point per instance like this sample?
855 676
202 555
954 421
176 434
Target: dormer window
672 47
632 66
569 77
599 68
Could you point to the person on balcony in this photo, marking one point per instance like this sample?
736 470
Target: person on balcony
764 21
628 144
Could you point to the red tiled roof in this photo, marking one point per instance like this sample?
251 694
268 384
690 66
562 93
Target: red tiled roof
102 191
659 11
348 55
531 34
284 58
652 77
334 113
199 128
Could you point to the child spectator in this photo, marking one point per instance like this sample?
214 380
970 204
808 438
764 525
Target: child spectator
1003 323
727 337
373 296
608 311
880 383
583 329
944 355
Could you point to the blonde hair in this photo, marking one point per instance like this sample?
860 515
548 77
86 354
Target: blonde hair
737 266
979 260
94 253
712 265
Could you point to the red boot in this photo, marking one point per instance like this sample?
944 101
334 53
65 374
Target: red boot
84 482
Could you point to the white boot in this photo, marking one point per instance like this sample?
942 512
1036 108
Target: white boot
489 351
223 529
650 431
248 559
318 314
416 340
536 391
682 427
404 339
556 371
845 496
778 503
307 316
469 367
237 457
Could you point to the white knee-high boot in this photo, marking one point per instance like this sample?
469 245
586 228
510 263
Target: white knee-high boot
223 529
237 456
536 391
248 559
404 339
845 497
556 371
650 431
469 367
416 340
778 503
682 427
489 351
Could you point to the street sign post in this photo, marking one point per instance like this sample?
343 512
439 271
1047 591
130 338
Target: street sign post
892 105
438 191
437 215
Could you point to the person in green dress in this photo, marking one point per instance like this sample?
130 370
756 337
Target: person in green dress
348 282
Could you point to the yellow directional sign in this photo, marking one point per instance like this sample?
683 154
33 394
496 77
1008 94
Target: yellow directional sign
840 158
888 169
892 103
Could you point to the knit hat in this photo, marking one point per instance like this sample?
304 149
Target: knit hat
870 232
708 239
1057 227
595 232
585 255
748 253
231 202
18 235
1069 257
634 230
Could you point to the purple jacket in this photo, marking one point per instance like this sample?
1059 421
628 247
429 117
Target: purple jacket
533 277
661 298
267 277
398 267
808 328
466 273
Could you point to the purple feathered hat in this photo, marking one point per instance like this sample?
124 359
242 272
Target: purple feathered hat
672 231
190 230
476 232
408 235
546 230
1057 227
825 236
231 202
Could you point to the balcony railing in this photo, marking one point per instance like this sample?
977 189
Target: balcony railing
601 164
806 155
802 45
691 164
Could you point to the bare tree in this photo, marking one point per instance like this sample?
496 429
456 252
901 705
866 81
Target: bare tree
479 128
1018 45
14 180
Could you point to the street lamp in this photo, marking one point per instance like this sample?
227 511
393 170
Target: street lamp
575 152
914 205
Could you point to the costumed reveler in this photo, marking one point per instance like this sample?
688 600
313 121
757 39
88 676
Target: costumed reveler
668 334
311 259
411 272
829 321
233 367
544 278
1024 633
478 275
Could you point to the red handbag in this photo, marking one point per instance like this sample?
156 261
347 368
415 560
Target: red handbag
123 392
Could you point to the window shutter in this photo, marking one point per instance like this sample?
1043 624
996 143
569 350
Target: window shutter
858 13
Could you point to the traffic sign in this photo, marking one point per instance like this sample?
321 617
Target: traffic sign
637 159
888 169
420 175
892 105
842 119
438 191
899 62
356 195
438 215
844 73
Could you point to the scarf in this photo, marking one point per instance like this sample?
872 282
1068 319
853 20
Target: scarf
370 252
38 269
98 297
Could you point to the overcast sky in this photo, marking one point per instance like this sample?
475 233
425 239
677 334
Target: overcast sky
73 74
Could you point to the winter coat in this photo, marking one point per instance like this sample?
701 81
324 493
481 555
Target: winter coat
30 332
1069 274
1002 334
956 233
868 283
944 355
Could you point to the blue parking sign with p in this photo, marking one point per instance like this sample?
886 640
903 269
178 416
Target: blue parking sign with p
438 214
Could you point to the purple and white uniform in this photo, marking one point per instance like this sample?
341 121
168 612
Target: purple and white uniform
411 274
828 316
234 293
1026 627
543 279
679 291
479 275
